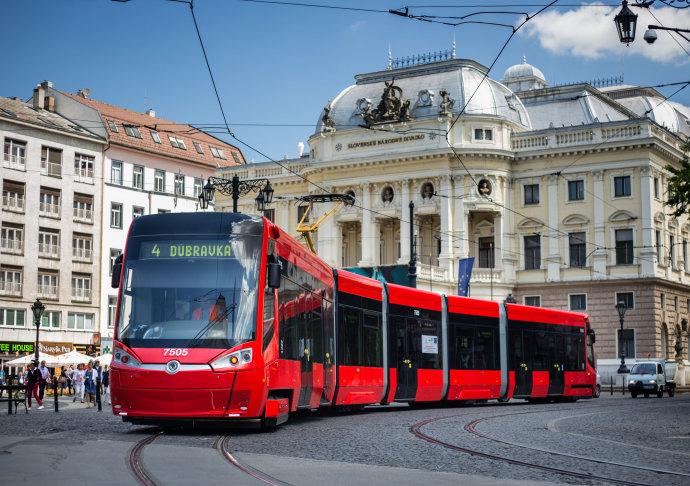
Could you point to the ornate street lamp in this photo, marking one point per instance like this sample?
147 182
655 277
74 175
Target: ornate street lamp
621 307
37 308
237 188
626 23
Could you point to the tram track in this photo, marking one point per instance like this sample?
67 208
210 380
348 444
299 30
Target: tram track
416 430
136 464
220 446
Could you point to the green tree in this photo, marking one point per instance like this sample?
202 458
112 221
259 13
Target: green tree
679 184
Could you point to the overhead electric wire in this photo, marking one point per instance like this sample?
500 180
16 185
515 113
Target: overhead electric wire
315 5
669 32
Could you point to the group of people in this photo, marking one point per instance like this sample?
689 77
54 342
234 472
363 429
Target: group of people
80 381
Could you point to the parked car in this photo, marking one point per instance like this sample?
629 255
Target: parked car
651 376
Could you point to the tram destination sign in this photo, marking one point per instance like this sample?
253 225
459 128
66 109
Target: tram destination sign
154 250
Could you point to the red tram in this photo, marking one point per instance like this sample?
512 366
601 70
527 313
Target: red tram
225 316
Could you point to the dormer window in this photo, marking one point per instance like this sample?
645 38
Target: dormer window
177 142
197 146
154 135
132 131
112 126
218 153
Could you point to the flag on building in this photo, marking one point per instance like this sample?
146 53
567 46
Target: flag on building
464 273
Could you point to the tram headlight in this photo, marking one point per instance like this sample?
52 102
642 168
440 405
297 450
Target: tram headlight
125 359
232 360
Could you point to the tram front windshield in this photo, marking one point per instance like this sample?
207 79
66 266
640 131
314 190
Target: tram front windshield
189 292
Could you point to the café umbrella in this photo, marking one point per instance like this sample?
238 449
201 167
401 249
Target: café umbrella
26 359
72 358
104 359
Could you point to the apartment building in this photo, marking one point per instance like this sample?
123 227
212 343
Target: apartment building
49 226
151 165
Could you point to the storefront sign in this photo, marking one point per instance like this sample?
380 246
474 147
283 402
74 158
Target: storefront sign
12 347
54 348
386 141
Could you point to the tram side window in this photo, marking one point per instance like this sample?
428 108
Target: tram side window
484 355
573 352
372 354
538 344
517 355
269 317
474 346
464 346
350 326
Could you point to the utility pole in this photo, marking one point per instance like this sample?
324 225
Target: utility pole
412 268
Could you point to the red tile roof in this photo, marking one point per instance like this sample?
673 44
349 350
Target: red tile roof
165 128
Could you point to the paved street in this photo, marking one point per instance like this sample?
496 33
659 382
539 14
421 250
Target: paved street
642 441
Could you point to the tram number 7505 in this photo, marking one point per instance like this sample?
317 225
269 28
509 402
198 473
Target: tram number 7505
175 352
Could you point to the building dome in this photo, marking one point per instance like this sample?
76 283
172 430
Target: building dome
523 77
424 86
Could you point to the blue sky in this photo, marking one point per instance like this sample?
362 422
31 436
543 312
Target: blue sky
280 65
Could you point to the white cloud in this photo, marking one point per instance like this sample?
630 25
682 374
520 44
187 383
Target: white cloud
357 26
590 32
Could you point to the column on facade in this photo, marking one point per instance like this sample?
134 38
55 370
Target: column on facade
600 254
510 250
367 229
283 216
446 256
498 241
404 223
459 219
328 241
647 252
553 259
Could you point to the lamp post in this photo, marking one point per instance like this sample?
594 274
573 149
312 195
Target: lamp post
237 188
37 308
412 267
621 307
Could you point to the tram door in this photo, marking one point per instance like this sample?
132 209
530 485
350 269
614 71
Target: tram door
407 332
310 347
521 364
557 368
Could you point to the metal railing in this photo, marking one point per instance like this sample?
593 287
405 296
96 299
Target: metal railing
84 254
49 209
10 288
13 245
13 203
14 161
48 249
47 291
83 214
81 294
51 168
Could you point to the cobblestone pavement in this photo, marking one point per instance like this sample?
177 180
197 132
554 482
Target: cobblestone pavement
642 441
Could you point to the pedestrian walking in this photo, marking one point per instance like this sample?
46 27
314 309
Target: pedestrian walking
33 378
44 380
105 381
90 384
70 382
2 381
78 381
62 380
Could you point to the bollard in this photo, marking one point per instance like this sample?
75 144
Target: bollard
55 397
623 384
611 385
98 394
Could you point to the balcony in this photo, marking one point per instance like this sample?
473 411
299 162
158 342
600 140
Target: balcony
14 162
83 295
47 291
48 250
52 169
50 210
83 215
13 203
14 246
10 288
82 254
486 275
433 273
